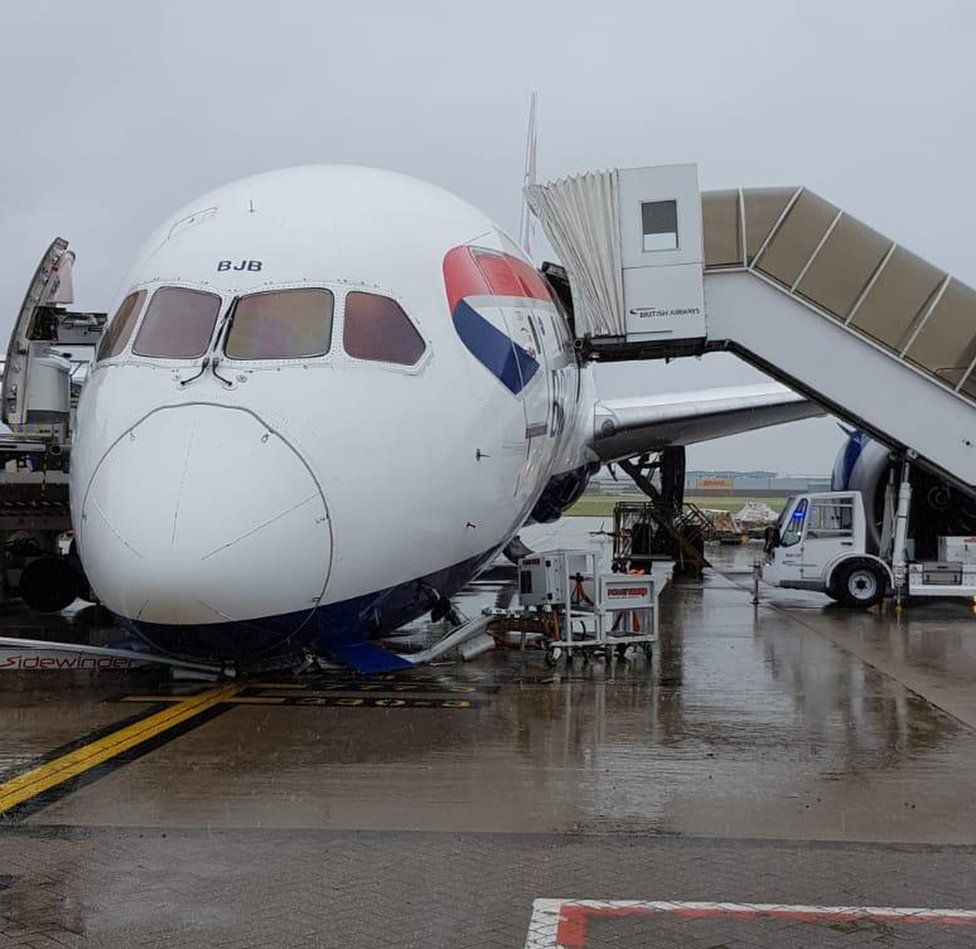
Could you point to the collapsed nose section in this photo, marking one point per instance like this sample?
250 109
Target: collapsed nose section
201 514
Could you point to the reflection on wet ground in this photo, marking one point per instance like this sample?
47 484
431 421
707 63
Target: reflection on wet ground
755 729
749 724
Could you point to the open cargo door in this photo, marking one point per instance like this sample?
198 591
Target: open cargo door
36 389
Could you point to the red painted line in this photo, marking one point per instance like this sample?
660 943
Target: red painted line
574 921
574 917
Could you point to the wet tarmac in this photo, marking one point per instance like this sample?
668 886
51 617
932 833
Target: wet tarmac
785 753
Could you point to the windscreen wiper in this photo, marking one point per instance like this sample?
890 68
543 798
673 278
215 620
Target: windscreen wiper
212 359
203 368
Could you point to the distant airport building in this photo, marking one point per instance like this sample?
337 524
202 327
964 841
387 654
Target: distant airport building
715 483
739 482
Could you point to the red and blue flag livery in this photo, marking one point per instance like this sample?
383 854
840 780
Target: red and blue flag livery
481 285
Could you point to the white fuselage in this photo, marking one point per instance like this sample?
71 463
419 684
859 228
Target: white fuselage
232 507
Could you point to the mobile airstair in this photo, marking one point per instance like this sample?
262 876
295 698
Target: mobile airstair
787 281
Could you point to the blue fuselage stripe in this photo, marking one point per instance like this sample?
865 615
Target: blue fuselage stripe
498 353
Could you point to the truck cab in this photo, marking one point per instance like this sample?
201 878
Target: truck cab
820 543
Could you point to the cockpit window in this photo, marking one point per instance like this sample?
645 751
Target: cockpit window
281 324
117 333
178 324
376 328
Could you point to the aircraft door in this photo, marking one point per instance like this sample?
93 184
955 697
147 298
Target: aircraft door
536 395
562 368
513 296
51 285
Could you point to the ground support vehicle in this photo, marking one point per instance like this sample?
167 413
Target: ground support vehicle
596 614
820 543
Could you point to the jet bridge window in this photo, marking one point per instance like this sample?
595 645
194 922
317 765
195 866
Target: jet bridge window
659 223
281 324
376 328
178 324
117 333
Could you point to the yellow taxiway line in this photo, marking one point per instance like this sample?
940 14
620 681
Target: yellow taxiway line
37 780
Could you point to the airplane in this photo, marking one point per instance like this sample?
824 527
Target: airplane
328 397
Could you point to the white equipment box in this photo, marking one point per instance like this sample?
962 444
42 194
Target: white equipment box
596 612
544 578
958 549
952 578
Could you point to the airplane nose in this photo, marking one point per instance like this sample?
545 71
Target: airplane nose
203 514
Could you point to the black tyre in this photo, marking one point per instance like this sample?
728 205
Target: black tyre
48 584
860 584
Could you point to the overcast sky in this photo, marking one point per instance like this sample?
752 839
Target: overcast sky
116 112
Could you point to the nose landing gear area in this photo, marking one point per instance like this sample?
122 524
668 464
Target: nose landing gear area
753 785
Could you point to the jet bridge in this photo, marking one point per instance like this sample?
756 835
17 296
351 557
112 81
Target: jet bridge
787 281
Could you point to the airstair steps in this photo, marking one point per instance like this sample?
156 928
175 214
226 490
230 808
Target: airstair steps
832 308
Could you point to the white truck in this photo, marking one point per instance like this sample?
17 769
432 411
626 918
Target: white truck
820 543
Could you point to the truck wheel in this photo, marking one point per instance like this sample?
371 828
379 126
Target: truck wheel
860 584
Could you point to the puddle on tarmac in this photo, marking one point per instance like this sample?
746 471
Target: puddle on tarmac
748 723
